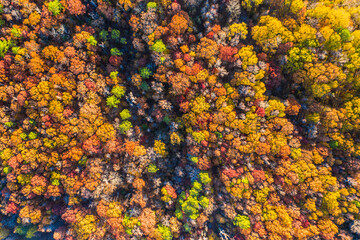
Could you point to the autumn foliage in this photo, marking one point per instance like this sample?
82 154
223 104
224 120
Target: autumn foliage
179 119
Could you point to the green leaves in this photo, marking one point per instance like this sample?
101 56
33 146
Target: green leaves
23 136
118 91
158 46
145 72
104 35
115 35
334 42
83 161
345 34
28 231
15 32
204 201
115 52
334 144
241 221
190 207
32 135
165 232
204 177
194 159
4 47
192 204
298 57
7 169
144 86
125 126
114 74
9 124
92 40
55 7
151 5
125 114
112 101
178 214
152 168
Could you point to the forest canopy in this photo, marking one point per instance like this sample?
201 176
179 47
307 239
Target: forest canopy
179 119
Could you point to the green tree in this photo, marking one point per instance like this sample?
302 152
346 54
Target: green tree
104 35
118 91
204 177
145 72
241 221
115 35
125 114
4 47
112 101
125 126
115 52
55 7
298 57
334 42
165 232
158 46
92 40
151 5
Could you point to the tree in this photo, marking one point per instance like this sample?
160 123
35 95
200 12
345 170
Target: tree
227 53
55 7
241 221
125 126
51 52
179 82
112 101
125 114
334 42
331 203
204 178
353 109
275 109
178 24
207 49
355 227
251 5
126 4
85 226
327 228
270 32
4 47
118 91
298 57
75 7
148 221
165 232
294 5
158 46
248 56
306 36
238 29
199 105
105 132
160 148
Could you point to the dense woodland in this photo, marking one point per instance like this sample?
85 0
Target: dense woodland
179 119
